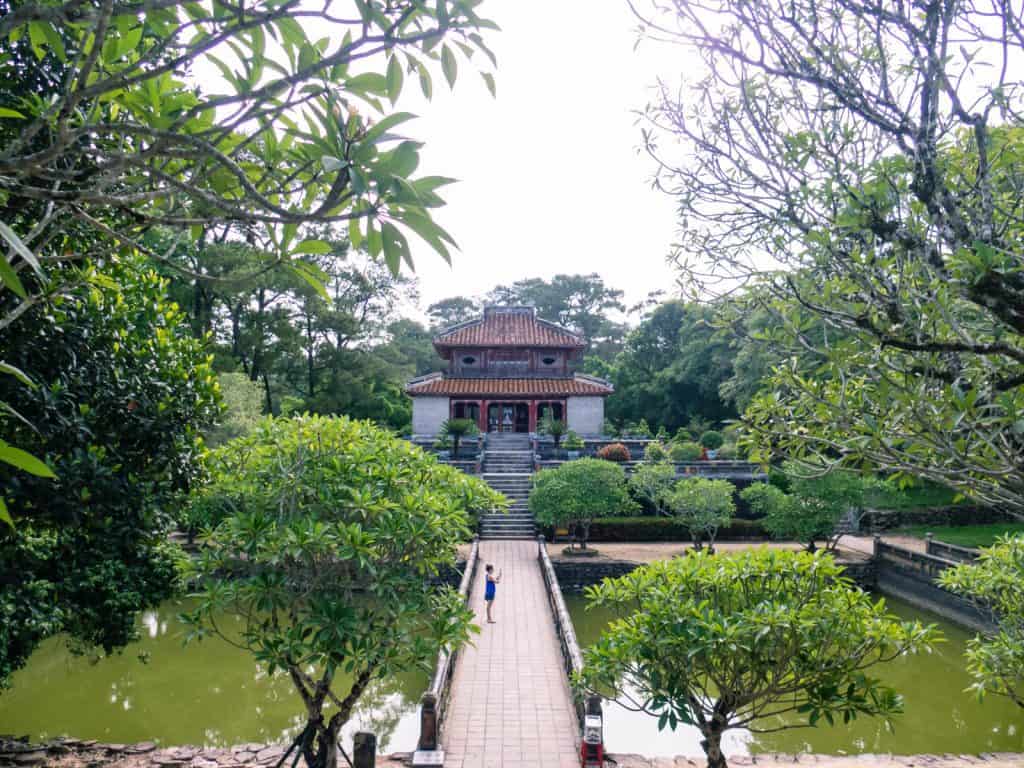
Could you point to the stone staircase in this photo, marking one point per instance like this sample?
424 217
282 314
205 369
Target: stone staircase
507 467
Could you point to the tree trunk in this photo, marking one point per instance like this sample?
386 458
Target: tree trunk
712 745
310 360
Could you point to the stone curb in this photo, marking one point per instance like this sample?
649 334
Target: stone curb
80 753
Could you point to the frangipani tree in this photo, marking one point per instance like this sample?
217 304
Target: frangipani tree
723 643
996 583
652 482
703 506
853 171
334 530
577 492
208 118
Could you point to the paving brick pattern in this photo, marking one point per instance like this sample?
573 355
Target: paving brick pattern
510 701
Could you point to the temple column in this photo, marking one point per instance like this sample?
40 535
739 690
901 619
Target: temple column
533 416
484 405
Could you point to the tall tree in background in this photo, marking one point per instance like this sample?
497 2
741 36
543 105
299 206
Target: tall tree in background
327 351
863 164
451 311
671 369
580 302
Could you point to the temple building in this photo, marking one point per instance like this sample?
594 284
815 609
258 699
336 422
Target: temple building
507 370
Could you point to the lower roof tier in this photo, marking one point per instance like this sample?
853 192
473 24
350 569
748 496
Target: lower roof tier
438 384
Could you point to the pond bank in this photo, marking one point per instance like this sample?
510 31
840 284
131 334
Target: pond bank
74 753
984 760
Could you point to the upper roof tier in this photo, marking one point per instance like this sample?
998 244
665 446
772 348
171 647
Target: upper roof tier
509 327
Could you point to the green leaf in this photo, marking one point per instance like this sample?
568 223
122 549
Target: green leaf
382 126
37 38
22 250
425 84
129 41
10 278
405 159
395 77
17 373
396 247
313 276
24 460
13 113
489 81
448 65
316 247
5 516
368 82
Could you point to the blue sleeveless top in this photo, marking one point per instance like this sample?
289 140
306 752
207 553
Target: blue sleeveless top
489 590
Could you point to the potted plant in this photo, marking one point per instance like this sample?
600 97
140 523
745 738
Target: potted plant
554 428
456 429
574 445
711 441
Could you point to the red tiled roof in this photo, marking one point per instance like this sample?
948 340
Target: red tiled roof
509 327
442 385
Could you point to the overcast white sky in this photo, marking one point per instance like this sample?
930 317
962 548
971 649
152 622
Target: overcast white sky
551 179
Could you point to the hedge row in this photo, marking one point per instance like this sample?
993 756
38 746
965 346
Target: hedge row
624 529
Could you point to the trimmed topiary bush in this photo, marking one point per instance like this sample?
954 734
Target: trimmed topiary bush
614 452
655 452
577 492
712 440
685 451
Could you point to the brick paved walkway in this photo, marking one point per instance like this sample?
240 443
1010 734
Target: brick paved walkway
510 702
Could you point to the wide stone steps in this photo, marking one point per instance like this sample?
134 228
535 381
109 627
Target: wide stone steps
507 467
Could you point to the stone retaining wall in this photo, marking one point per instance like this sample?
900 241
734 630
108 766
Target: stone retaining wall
984 760
78 753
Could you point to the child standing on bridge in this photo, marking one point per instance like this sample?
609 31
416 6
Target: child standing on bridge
490 589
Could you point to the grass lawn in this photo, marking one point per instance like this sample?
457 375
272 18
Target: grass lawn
964 535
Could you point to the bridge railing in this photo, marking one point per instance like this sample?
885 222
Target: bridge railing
949 551
572 656
918 563
434 703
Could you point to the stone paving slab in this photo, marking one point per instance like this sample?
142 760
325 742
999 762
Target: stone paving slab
510 701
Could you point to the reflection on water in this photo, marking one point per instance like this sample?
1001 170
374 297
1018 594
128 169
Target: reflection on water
208 693
939 716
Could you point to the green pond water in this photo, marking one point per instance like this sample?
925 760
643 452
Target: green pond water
939 716
207 693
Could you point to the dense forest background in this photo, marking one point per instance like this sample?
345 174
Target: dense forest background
280 346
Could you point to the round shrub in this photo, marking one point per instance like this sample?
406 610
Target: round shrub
685 451
655 452
728 452
614 452
712 440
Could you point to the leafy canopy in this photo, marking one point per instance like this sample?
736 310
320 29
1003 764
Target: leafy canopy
121 393
811 511
577 492
723 643
996 583
334 531
653 481
703 506
850 168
